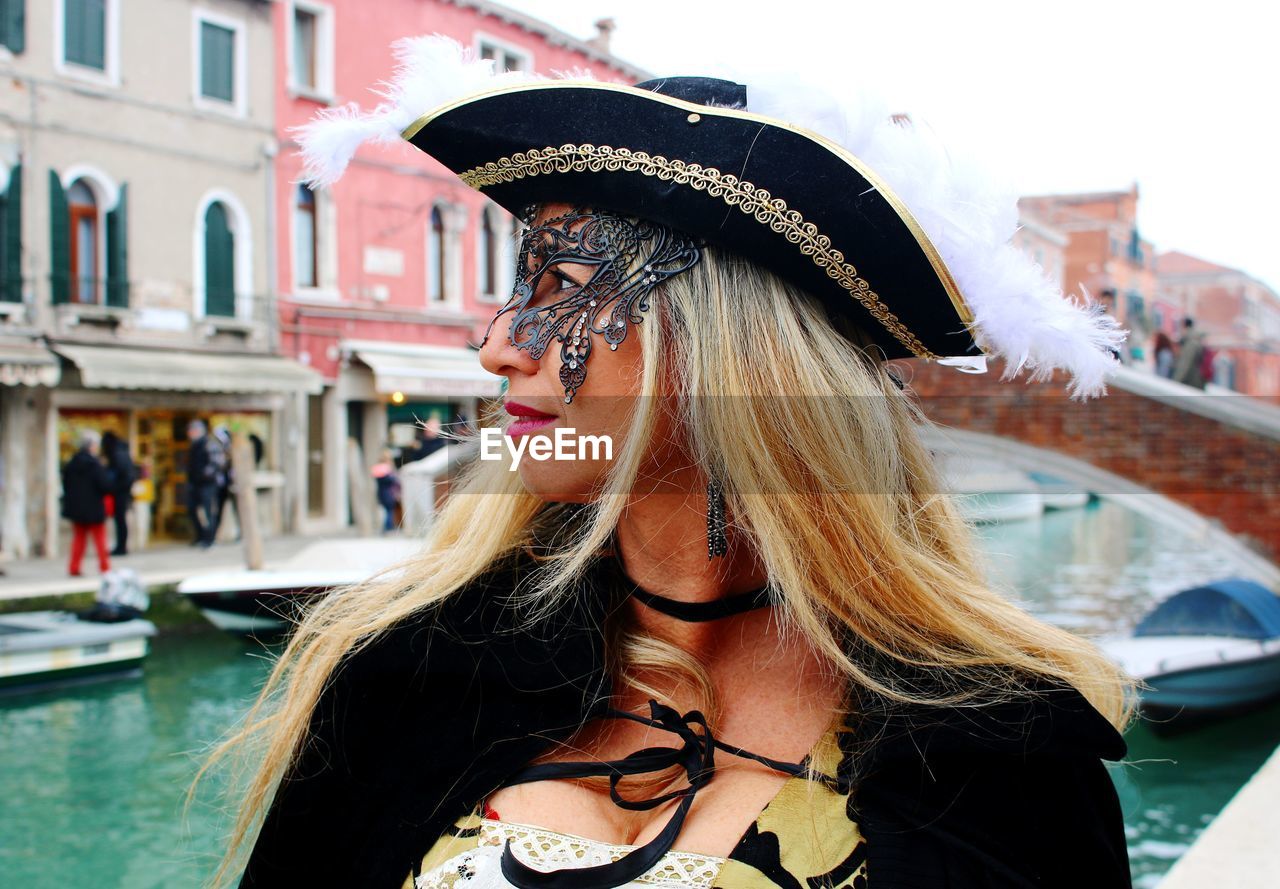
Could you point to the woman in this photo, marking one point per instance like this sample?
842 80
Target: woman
760 601
86 484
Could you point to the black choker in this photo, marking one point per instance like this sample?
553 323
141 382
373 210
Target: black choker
699 612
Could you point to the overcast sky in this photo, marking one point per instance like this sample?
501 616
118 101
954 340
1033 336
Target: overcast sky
1089 96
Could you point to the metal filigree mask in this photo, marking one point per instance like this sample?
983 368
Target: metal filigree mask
626 258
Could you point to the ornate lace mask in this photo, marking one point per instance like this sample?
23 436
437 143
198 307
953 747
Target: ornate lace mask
625 258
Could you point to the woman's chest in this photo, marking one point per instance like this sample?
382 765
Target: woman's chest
725 808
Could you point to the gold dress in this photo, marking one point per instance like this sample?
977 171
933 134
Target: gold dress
805 837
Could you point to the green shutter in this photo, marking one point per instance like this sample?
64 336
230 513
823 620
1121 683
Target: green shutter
217 62
219 263
85 29
118 252
11 239
59 241
13 31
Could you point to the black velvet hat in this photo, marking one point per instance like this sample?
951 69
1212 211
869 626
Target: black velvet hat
922 264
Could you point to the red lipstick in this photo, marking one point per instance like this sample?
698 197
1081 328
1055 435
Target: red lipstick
528 418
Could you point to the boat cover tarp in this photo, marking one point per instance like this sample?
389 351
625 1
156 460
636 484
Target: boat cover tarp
1238 608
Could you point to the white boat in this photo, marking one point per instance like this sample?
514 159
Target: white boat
989 492
1209 650
1059 494
40 648
265 602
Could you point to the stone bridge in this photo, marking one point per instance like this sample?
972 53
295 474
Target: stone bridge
1208 462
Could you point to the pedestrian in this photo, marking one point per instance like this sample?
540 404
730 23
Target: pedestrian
427 440
1189 369
259 449
203 472
1165 354
86 483
124 472
762 601
220 454
384 474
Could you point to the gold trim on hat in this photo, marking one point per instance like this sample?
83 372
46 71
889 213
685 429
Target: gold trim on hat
829 259
735 192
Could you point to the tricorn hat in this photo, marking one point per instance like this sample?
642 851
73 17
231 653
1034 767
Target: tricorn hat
863 211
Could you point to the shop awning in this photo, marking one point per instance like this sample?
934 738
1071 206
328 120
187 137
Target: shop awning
105 367
425 371
28 364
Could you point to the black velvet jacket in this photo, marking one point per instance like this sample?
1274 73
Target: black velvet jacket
421 725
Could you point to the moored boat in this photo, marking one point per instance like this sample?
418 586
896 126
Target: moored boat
1056 493
265 602
989 492
1206 651
39 648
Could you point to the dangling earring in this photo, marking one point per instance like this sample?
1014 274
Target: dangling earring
717 543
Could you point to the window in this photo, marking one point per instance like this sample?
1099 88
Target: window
311 49
219 262
12 30
85 33
1135 307
86 40
498 235
488 254
11 239
436 272
82 210
88 238
304 48
218 54
505 56
305 234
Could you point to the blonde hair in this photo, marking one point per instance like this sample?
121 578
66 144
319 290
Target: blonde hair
824 476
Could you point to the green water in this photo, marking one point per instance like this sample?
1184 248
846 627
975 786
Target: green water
93 778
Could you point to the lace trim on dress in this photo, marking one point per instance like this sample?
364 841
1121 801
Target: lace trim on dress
480 868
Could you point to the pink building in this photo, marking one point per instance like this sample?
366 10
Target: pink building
385 279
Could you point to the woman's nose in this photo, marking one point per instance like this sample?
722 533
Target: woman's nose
497 354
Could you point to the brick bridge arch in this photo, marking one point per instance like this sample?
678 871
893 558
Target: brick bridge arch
1216 455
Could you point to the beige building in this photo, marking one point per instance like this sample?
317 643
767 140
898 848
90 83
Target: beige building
136 146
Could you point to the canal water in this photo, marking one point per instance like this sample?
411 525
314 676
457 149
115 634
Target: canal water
93 778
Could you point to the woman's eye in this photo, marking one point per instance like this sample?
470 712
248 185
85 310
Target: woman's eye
564 284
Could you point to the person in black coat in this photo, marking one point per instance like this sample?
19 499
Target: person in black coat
124 472
204 478
85 484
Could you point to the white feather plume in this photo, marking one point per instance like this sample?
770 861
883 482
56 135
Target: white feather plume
431 71
969 215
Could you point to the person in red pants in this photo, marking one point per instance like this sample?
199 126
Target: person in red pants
85 484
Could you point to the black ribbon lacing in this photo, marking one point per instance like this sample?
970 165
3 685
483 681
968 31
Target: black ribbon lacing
699 612
696 755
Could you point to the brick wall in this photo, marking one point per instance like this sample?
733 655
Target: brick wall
1216 469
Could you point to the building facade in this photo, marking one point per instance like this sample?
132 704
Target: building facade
1105 259
136 152
1239 316
387 279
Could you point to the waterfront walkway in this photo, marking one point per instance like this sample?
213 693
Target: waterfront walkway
157 566
1239 850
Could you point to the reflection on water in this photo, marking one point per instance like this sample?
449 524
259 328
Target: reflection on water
93 777
1097 571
